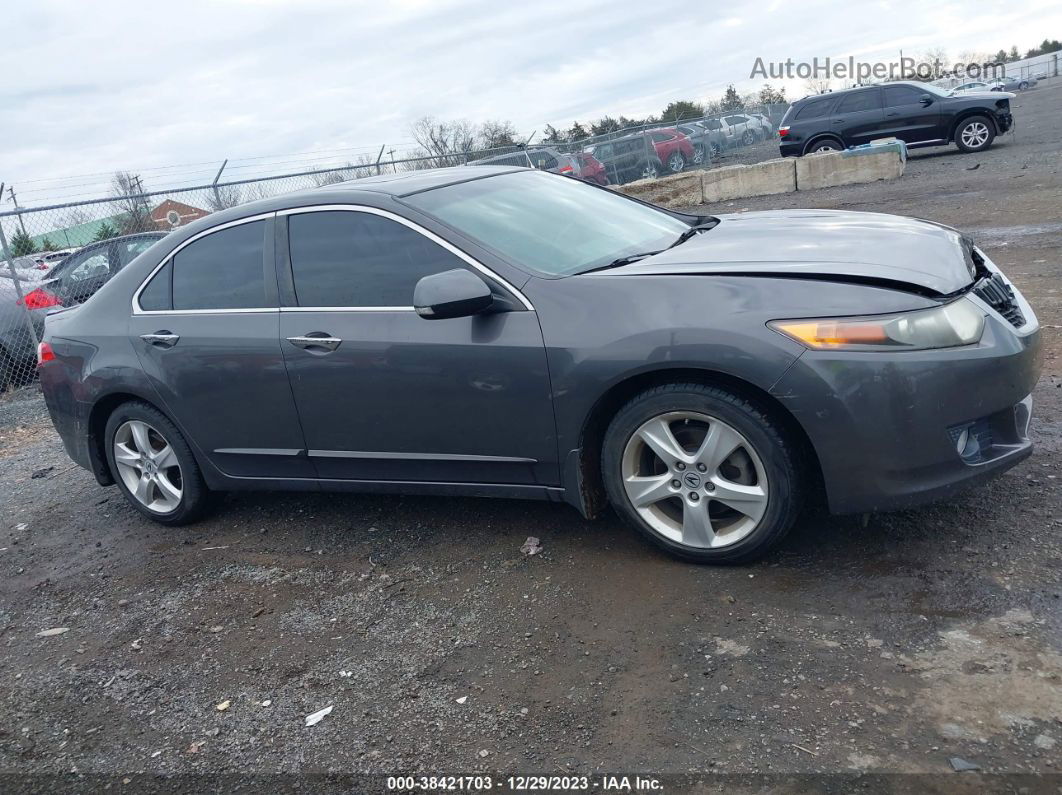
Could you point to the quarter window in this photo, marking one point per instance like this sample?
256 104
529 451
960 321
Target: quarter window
357 259
224 270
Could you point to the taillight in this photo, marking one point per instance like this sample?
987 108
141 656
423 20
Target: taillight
41 266
566 170
39 299
783 132
44 353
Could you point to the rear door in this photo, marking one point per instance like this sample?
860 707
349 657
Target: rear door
907 118
858 117
388 395
206 327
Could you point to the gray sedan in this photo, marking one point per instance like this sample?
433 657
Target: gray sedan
514 333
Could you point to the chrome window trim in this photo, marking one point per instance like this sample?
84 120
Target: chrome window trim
169 258
362 208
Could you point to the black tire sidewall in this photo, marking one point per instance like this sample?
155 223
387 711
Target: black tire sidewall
195 496
967 122
771 443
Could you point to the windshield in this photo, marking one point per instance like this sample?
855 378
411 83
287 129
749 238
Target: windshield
554 225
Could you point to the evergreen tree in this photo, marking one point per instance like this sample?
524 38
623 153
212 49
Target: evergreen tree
105 232
731 99
48 245
21 244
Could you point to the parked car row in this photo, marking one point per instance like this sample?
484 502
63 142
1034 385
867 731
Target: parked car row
72 281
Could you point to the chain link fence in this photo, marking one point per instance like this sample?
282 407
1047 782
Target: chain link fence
59 255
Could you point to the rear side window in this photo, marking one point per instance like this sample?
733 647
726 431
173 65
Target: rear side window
130 249
224 270
543 160
155 297
860 100
815 109
901 95
359 259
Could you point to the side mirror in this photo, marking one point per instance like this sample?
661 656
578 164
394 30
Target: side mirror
456 293
925 100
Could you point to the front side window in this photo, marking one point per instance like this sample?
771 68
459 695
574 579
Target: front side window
358 259
224 270
896 96
548 224
93 267
128 250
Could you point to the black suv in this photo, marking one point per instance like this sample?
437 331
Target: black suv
918 113
628 158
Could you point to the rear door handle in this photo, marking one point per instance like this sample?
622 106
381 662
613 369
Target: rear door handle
311 341
160 339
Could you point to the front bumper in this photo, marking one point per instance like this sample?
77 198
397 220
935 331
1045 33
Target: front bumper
887 427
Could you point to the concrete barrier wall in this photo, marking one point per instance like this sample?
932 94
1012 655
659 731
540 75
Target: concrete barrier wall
830 169
759 179
782 175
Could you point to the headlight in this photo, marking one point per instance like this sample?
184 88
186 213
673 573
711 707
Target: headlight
947 326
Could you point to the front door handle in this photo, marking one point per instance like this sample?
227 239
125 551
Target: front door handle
312 340
160 339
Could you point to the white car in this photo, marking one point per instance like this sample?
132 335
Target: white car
975 87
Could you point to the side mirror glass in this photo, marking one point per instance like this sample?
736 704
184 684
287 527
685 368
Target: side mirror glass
926 100
455 293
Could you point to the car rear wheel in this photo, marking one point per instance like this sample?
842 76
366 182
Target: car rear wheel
703 473
825 145
1024 84
698 154
717 149
676 162
974 134
154 466
747 138
652 169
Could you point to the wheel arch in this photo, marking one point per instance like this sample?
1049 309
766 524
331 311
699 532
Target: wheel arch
584 486
963 115
822 137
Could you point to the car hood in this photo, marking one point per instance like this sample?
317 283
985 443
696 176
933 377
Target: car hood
845 246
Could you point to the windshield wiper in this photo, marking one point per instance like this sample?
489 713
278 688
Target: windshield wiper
693 230
619 263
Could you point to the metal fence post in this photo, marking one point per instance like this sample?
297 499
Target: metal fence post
378 158
214 184
18 288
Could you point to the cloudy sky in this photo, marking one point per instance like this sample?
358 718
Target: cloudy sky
172 89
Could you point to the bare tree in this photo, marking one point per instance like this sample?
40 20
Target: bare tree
448 143
127 188
494 134
223 197
817 85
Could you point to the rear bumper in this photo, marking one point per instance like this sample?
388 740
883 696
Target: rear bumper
790 149
886 427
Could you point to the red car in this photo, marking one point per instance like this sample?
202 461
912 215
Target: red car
590 168
672 147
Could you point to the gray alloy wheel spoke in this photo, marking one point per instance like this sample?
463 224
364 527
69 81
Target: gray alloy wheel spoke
165 458
718 444
697 528
140 437
694 479
657 435
143 489
126 456
169 492
748 500
645 491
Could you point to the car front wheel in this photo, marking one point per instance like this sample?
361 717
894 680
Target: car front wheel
748 138
974 134
676 162
154 466
698 154
702 472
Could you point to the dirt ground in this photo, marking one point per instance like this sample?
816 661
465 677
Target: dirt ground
886 645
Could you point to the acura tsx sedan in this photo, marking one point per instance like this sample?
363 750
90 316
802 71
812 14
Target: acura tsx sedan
514 333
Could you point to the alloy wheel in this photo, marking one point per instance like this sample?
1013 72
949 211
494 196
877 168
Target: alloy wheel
676 162
698 155
148 466
975 135
694 479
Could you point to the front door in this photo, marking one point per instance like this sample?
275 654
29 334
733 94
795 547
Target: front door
206 328
390 396
858 118
907 118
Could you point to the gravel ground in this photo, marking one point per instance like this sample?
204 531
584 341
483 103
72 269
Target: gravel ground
886 645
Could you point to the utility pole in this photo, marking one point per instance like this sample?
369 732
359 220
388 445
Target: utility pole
14 201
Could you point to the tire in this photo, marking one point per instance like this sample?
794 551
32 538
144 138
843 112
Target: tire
653 169
7 372
717 149
760 474
1023 85
676 161
974 134
173 471
747 138
823 145
698 154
